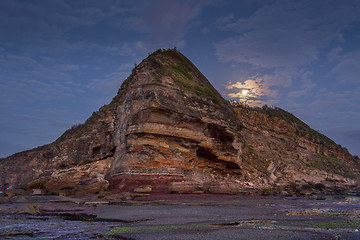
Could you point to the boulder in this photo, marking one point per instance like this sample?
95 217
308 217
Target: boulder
38 191
143 189
185 187
14 192
91 185
223 187
37 183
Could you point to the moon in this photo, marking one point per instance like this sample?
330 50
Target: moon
244 92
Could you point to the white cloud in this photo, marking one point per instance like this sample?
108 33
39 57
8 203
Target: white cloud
285 37
258 92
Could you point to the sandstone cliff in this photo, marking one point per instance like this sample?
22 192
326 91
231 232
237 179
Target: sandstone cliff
169 128
280 150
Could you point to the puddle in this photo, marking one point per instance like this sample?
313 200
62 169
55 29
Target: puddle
242 223
51 228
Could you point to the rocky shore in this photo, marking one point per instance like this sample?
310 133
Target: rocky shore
179 216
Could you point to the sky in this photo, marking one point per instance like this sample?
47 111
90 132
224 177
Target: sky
61 60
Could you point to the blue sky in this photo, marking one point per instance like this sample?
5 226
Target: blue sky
60 60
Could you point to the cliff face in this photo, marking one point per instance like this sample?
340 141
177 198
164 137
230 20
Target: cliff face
166 124
86 150
281 149
168 127
173 126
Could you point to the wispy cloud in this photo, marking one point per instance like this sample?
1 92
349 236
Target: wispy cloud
286 33
347 69
283 38
354 135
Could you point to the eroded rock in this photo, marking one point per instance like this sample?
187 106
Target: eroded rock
168 127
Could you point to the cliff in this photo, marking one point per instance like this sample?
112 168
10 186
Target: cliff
282 150
169 128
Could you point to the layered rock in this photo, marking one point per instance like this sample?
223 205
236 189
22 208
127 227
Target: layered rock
166 124
173 126
168 129
281 150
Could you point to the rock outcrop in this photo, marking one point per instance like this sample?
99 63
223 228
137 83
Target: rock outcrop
281 150
168 129
173 126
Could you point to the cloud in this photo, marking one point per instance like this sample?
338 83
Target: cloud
224 20
168 19
354 137
257 92
347 68
23 77
305 88
69 67
334 53
49 18
326 109
283 41
337 103
17 62
112 81
286 33
280 78
262 88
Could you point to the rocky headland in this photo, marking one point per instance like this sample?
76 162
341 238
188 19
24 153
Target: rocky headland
169 131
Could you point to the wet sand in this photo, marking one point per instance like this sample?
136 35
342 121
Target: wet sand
182 217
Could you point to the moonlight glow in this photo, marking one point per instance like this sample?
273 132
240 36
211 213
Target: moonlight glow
244 92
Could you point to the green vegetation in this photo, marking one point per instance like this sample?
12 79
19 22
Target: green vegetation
198 92
152 229
154 62
329 163
211 93
179 69
174 54
142 229
185 80
180 75
302 128
251 149
332 159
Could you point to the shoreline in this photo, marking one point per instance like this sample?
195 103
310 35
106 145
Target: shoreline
182 216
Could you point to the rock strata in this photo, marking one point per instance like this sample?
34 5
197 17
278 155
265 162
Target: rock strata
169 130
